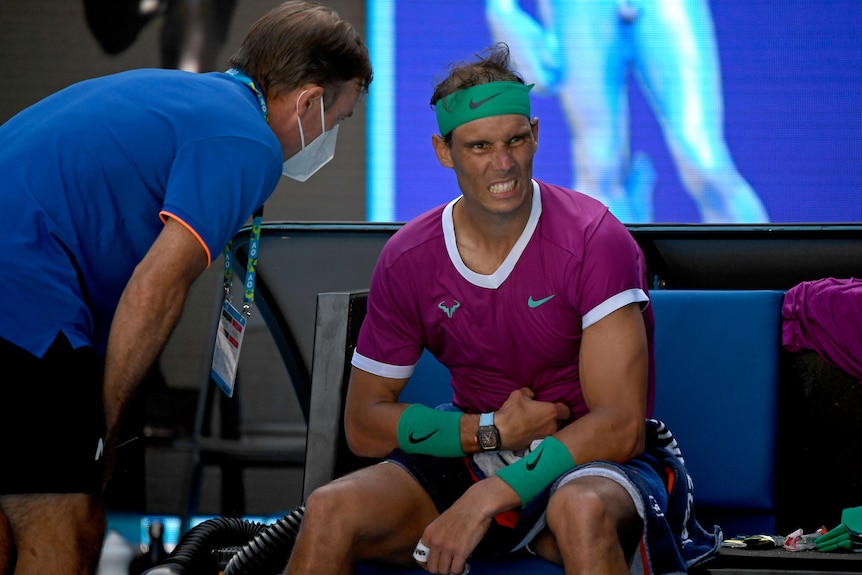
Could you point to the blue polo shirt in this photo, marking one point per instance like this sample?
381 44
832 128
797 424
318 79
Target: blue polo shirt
88 174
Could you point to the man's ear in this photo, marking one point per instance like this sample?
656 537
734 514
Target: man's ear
309 99
443 151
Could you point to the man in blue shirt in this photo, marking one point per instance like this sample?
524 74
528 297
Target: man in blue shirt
116 194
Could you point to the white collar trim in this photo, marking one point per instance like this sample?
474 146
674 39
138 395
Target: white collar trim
494 280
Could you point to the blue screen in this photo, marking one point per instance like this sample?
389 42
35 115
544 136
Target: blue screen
668 110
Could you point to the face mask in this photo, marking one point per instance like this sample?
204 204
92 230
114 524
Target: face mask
303 164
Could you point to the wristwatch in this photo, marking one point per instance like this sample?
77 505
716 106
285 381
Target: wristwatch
488 435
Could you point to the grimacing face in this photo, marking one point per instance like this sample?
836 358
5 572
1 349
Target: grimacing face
493 161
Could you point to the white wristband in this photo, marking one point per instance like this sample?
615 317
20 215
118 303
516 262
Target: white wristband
420 554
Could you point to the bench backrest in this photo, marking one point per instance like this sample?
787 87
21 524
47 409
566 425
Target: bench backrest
717 377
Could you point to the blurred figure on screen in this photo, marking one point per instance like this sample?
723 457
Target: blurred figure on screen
192 35
583 50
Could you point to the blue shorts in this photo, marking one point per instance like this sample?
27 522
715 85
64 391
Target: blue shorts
656 480
52 421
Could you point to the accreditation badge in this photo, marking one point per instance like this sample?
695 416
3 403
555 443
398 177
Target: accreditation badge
228 342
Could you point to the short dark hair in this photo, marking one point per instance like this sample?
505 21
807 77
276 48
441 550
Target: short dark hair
491 65
301 42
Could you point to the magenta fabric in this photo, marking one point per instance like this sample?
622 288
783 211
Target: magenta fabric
826 316
520 326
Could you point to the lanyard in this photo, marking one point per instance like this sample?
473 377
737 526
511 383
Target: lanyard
255 87
251 265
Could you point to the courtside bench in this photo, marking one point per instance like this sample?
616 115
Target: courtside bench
717 362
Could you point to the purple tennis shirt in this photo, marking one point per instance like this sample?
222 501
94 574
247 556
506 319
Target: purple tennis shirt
520 326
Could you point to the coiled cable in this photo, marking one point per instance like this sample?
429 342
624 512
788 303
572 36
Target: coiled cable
262 548
270 549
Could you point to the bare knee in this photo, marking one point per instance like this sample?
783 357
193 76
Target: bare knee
338 513
594 513
7 545
579 509
374 513
323 501
54 533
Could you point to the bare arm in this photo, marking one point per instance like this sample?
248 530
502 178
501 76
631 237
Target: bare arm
614 365
147 313
372 413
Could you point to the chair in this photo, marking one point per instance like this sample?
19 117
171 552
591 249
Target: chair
235 434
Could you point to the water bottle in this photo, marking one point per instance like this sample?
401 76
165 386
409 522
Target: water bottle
117 555
155 553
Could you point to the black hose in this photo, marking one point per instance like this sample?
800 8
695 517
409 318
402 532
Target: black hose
270 549
193 554
262 548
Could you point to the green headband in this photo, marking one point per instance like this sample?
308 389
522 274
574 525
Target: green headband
491 99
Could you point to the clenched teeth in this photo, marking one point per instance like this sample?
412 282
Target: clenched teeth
502 187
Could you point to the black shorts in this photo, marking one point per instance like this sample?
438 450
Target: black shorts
52 420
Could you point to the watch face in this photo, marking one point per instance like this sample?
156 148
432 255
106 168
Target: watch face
488 438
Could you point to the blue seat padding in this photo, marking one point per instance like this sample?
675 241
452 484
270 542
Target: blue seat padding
717 374
429 384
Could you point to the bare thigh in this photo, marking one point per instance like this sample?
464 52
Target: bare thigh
55 534
7 549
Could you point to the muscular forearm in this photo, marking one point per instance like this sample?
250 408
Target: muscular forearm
142 323
147 312
141 326
384 425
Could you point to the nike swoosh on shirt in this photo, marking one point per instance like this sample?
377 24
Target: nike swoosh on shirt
536 303
531 465
474 105
421 439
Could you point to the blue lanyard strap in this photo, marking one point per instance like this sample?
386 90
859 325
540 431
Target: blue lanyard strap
251 265
255 87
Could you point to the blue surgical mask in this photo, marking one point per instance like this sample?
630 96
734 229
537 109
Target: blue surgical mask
303 164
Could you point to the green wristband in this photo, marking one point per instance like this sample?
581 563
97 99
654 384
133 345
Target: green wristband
531 474
428 431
